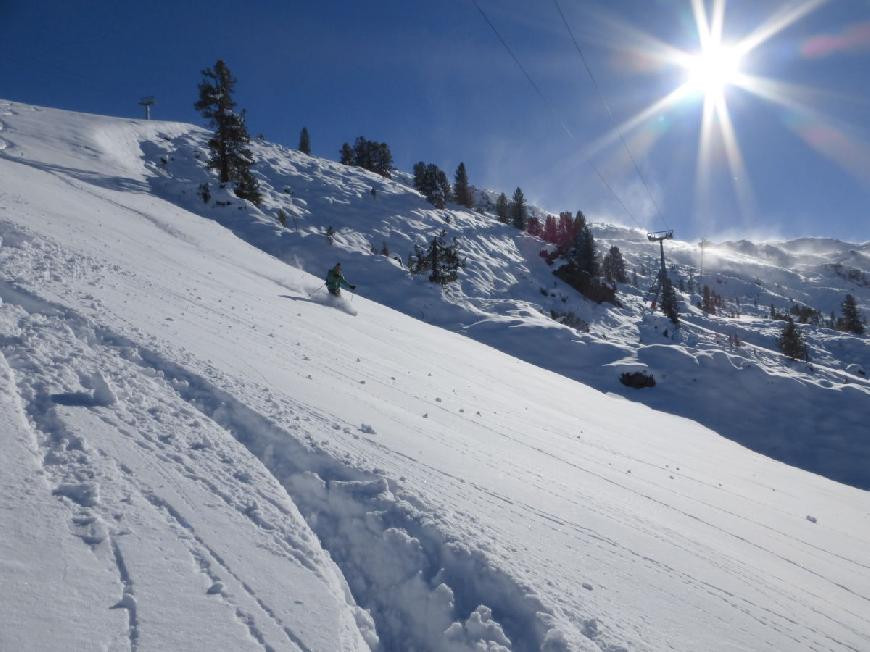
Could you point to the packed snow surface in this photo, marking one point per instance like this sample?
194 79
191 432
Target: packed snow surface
201 451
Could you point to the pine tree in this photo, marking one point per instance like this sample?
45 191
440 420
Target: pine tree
707 303
850 321
501 208
230 152
518 209
304 141
442 188
461 191
346 154
248 188
613 266
585 255
669 300
790 341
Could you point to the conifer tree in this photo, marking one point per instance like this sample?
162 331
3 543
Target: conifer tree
669 300
230 152
304 141
707 303
850 321
247 187
585 255
346 154
518 209
790 341
613 266
461 192
501 208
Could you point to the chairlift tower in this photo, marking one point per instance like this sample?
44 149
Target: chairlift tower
660 237
147 102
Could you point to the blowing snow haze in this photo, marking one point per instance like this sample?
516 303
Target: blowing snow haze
556 397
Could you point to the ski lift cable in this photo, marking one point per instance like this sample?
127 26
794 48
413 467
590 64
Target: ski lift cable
522 68
607 108
555 114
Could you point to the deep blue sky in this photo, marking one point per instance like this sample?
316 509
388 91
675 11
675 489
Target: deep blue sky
432 80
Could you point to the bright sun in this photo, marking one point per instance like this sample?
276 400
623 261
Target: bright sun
714 68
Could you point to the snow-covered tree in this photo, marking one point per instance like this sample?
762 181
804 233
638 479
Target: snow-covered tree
230 152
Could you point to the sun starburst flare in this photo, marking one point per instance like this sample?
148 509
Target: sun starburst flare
708 74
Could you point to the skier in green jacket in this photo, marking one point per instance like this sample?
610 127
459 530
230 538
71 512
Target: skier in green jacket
335 280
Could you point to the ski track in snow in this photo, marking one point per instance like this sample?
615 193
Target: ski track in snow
261 437
69 460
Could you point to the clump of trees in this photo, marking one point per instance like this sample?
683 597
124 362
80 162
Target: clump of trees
515 211
440 259
582 271
230 144
711 301
562 233
369 155
805 314
431 181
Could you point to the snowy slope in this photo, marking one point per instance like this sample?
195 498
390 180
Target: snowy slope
204 454
506 294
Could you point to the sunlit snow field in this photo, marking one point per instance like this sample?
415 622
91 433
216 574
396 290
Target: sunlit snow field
201 452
